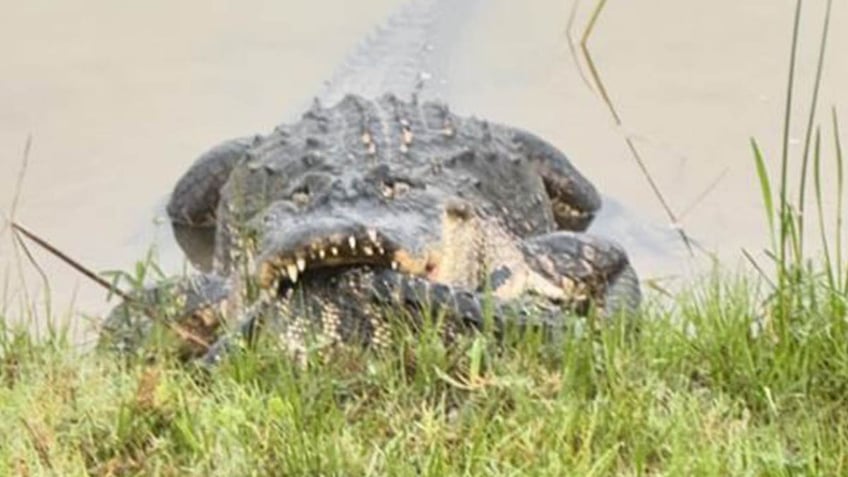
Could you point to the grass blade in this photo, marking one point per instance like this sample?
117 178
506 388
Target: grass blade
765 189
839 199
68 260
831 278
784 158
810 121
572 47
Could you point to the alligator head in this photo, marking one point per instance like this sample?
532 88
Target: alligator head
329 217
395 185
399 196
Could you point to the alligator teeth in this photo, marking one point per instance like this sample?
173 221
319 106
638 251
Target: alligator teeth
372 235
381 250
368 250
301 264
291 269
352 242
394 265
322 254
334 251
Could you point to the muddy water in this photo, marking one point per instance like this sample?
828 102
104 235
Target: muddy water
120 98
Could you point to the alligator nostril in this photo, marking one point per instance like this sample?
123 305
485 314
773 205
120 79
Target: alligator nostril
392 189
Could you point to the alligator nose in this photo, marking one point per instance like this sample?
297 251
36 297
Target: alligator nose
353 187
341 189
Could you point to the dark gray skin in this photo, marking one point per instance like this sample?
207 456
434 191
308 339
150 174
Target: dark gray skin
359 204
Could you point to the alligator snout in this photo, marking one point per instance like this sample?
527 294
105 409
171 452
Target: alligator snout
385 238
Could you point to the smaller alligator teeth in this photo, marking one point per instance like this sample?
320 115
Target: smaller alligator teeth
322 254
372 234
291 269
381 250
334 251
368 250
301 264
394 265
352 242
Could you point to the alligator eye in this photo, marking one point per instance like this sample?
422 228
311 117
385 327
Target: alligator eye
301 196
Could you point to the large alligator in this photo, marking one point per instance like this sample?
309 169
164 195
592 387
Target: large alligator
369 205
376 204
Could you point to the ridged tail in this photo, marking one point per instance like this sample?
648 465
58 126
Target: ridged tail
407 54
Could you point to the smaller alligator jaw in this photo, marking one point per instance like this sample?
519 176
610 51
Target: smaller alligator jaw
572 218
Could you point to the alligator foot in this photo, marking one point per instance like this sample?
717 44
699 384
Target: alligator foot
194 201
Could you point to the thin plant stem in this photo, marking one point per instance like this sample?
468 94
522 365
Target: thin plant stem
809 130
599 84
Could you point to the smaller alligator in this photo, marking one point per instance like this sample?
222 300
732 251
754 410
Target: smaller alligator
325 225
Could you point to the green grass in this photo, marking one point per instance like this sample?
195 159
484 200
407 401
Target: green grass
740 374
699 391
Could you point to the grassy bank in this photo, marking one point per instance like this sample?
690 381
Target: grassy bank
699 391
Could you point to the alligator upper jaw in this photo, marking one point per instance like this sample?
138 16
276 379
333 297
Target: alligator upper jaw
356 246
